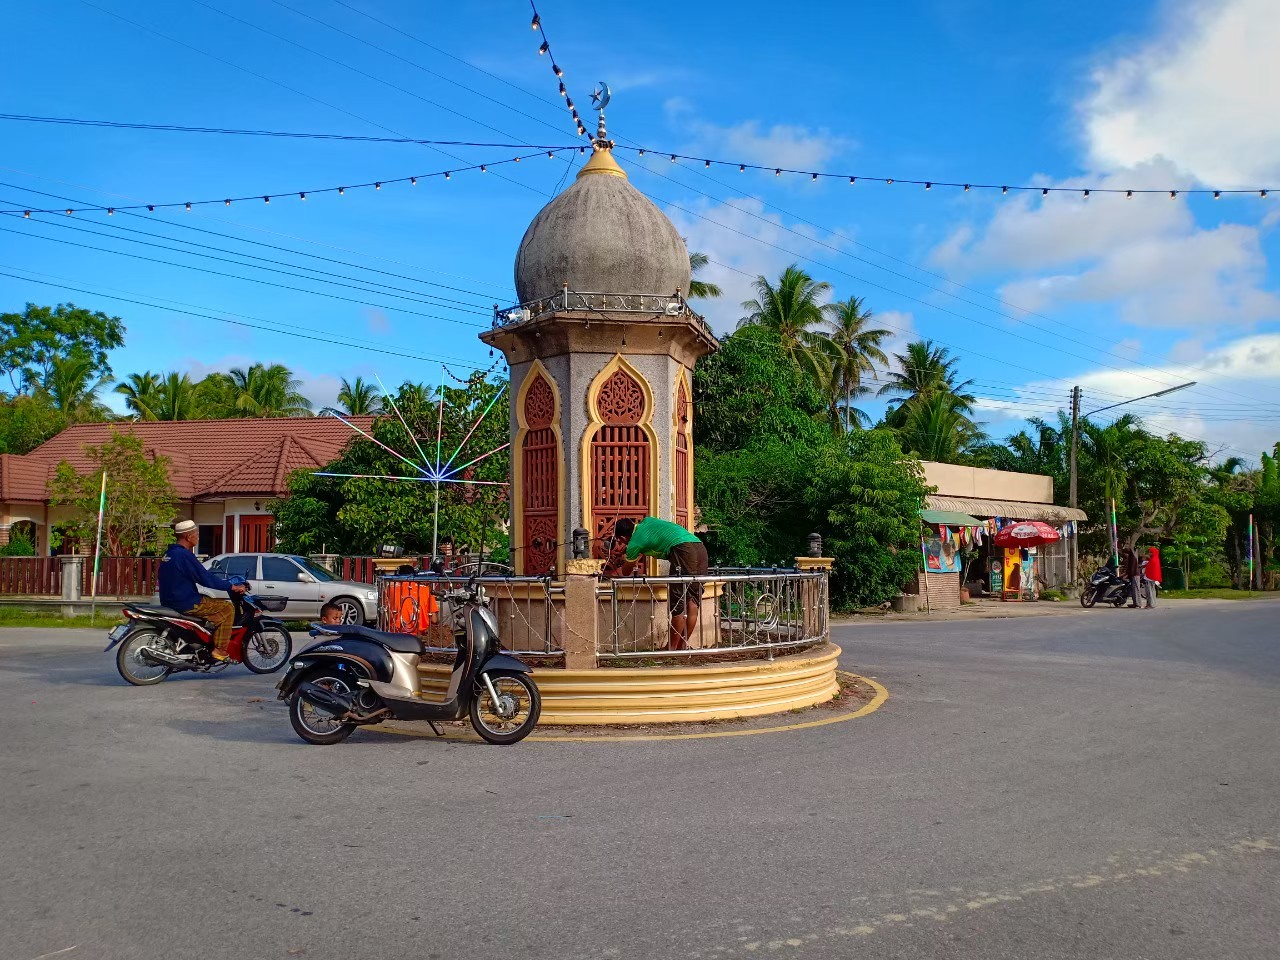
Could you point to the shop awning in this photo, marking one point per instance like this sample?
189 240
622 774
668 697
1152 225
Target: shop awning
1009 509
950 518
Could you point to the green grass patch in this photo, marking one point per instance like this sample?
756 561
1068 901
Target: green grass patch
1211 593
10 617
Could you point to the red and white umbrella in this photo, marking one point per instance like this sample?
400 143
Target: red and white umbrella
1026 533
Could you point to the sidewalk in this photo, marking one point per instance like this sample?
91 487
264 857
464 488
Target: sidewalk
999 610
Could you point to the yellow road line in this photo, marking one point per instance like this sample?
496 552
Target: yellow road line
872 706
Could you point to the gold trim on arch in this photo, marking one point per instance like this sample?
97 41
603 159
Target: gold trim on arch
536 368
619 362
682 378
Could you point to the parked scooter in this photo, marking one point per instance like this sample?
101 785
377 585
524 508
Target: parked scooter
156 641
356 676
1105 586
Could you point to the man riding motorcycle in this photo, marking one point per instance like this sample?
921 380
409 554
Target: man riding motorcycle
181 572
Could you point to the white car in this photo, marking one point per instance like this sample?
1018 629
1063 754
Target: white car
305 586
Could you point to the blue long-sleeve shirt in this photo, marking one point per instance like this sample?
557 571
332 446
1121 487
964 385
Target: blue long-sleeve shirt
180 571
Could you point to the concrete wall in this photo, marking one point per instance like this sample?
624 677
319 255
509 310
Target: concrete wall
953 480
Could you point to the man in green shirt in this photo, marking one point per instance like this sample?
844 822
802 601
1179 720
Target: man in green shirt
668 541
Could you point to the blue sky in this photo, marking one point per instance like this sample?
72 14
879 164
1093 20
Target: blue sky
1122 296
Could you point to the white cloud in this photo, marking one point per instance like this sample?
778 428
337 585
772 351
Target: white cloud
1201 94
777 145
1145 256
739 257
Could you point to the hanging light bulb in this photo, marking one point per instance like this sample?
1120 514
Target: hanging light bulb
68 211
569 103
483 168
1173 194
537 22
1262 193
777 171
966 188
1004 190
377 186
582 150
266 199
1044 192
517 160
1217 194
151 208
813 177
550 155
853 180
555 68
1086 193
111 211
302 196
1128 194
889 182
26 214
188 207
641 151
928 186
742 168
342 191
563 91
544 48
706 163
446 175
226 203
413 181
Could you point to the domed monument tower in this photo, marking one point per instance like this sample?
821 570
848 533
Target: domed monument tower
601 350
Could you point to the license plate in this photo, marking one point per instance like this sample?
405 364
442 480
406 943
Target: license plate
116 635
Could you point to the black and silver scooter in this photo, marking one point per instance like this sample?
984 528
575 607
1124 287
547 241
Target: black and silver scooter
356 676
1106 586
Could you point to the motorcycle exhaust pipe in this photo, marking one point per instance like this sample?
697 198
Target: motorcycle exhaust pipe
325 700
160 656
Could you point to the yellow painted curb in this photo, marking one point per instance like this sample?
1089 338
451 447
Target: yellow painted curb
876 702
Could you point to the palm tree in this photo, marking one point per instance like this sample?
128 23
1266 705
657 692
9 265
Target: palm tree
855 350
701 288
792 310
72 385
177 399
926 369
937 428
359 398
259 391
141 394
1106 449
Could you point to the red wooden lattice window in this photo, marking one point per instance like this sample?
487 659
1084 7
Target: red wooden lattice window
540 475
620 457
682 456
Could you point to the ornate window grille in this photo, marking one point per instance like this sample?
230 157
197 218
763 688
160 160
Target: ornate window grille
682 456
540 479
621 458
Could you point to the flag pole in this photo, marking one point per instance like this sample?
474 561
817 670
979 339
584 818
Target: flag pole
924 560
97 550
1115 533
1251 553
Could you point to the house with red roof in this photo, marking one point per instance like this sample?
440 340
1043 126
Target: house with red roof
225 472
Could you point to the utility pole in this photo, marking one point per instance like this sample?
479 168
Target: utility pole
1073 497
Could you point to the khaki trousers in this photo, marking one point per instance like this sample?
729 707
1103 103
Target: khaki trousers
222 614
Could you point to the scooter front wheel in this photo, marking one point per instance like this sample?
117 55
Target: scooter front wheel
1088 597
515 714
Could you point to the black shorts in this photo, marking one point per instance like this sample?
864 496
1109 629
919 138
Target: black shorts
687 560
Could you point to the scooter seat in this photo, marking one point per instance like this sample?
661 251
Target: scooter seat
396 642
159 611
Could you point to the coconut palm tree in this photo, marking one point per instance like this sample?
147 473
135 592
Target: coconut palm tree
141 394
1106 450
925 369
359 398
703 289
937 428
792 309
855 351
72 385
177 399
259 391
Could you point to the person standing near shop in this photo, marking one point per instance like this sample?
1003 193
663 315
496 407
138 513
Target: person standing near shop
1152 575
1131 570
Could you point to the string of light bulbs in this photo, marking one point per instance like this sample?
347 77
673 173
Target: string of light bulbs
1129 192
299 194
545 51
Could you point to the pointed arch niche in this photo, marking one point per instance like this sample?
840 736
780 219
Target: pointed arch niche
539 472
619 450
682 452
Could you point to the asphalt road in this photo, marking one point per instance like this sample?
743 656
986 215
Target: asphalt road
1100 786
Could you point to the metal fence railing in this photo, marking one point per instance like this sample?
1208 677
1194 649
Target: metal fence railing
740 610
525 607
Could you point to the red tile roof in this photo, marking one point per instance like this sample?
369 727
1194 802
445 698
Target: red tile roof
208 459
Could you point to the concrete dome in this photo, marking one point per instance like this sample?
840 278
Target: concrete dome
601 235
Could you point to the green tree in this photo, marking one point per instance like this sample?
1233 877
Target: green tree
140 498
31 341
865 498
792 310
935 428
26 421
358 515
855 351
359 398
177 398
141 394
73 384
258 391
701 289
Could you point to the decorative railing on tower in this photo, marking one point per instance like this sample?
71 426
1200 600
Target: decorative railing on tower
591 304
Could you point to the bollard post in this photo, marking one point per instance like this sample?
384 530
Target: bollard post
72 570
